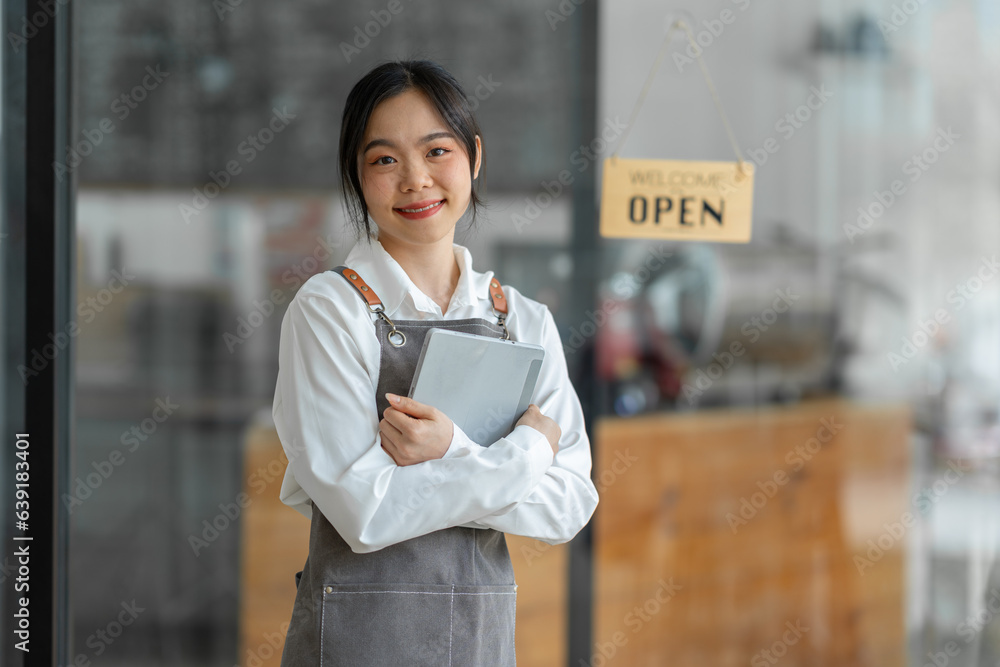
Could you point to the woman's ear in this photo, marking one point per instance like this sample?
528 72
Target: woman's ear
479 157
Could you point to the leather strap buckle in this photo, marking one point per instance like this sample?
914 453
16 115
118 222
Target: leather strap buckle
395 337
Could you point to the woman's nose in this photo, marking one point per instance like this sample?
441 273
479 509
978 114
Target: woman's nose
415 176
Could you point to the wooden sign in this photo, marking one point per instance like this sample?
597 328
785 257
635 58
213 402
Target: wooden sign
676 200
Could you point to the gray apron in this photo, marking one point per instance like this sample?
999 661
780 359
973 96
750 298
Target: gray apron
445 598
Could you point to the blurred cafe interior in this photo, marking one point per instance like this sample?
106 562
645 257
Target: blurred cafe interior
796 440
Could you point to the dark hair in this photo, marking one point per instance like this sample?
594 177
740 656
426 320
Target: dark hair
381 83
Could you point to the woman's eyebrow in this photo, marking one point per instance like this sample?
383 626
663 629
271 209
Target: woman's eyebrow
385 142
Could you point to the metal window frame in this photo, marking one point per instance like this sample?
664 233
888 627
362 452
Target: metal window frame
585 251
36 292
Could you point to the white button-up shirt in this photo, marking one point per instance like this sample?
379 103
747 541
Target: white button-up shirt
326 418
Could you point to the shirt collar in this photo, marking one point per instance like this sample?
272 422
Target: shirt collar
391 283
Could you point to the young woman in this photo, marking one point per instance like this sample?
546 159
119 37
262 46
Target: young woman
407 560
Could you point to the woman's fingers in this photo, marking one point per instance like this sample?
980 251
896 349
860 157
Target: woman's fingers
531 416
401 441
419 432
389 446
534 418
411 407
387 428
398 419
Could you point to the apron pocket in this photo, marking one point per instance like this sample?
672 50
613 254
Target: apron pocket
483 626
430 625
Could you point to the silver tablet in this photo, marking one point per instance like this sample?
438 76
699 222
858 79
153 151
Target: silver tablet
483 384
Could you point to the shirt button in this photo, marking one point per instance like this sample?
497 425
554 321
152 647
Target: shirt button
329 589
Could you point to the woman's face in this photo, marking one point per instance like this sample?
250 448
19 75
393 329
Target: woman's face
411 160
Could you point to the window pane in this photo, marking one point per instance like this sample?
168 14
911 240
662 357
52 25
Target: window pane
805 427
208 193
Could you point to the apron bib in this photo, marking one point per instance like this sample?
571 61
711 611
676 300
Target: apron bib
441 599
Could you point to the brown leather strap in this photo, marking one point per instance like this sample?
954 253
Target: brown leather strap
499 300
366 292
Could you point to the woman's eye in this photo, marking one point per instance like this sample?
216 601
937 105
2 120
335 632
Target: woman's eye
379 160
443 151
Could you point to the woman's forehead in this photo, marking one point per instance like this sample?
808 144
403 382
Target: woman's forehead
409 110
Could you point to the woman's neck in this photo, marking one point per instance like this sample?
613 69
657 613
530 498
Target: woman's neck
432 268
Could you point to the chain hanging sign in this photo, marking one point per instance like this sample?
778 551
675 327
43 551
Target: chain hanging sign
677 199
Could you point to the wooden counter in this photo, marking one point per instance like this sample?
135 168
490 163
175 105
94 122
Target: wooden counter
275 542
672 515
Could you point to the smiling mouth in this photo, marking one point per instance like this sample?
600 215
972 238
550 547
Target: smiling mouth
418 210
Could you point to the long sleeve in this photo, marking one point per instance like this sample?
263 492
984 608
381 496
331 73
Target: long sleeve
565 498
325 416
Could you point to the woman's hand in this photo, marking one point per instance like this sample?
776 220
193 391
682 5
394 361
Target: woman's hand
534 418
414 432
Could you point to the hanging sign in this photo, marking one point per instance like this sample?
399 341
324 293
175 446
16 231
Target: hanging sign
676 200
